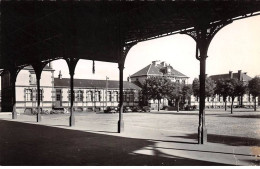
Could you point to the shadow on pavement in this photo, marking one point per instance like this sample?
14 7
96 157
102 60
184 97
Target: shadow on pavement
228 140
23 144
215 152
243 116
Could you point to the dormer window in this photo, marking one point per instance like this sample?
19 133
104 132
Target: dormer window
169 70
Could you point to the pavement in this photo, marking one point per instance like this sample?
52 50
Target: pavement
94 141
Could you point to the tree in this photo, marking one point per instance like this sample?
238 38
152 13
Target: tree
209 87
196 87
155 87
221 89
175 93
235 88
186 91
254 88
179 92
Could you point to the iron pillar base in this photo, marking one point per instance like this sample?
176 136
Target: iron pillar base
72 120
120 126
202 135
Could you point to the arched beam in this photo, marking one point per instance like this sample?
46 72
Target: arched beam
13 76
72 62
122 52
38 67
203 35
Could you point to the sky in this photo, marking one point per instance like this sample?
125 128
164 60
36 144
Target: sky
235 47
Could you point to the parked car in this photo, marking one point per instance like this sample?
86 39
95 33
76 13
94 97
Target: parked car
189 108
169 108
110 110
127 109
146 109
136 109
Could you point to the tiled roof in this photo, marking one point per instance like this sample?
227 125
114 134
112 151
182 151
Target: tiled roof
142 72
89 83
245 77
151 69
177 73
154 70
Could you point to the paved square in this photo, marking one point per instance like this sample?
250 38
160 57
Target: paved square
155 138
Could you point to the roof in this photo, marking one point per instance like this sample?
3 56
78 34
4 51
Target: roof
245 77
177 73
151 69
33 31
90 83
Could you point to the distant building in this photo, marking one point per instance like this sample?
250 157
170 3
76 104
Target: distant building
217 101
158 68
55 92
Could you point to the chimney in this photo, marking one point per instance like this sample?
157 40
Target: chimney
50 65
129 79
230 74
163 64
60 75
239 75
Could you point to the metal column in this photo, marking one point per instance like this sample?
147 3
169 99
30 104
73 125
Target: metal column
72 62
39 118
121 99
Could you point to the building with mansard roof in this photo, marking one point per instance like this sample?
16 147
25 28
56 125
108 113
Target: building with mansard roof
158 68
55 92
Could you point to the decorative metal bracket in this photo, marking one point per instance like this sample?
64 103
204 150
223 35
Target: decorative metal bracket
38 67
203 36
123 52
72 62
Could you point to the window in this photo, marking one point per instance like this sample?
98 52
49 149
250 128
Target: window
90 96
79 96
40 95
183 81
177 81
32 79
131 97
116 96
97 96
58 94
28 94
109 94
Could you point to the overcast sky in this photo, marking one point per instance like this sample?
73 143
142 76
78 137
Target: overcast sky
235 47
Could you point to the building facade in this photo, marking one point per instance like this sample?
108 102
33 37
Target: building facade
158 68
55 92
217 101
